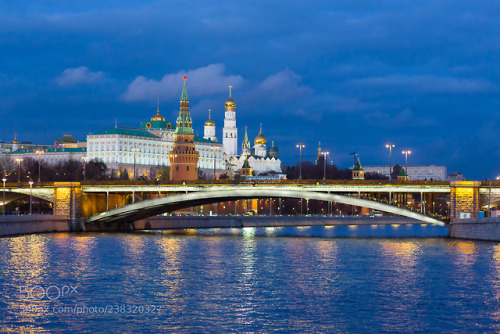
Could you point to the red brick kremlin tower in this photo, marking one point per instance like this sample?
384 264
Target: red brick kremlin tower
184 158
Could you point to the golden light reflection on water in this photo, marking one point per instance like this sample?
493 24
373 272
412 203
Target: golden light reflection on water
170 249
403 253
246 306
28 256
465 251
401 267
83 248
327 250
496 277
27 265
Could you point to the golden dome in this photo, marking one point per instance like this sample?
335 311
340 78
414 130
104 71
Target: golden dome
209 122
158 117
260 139
230 102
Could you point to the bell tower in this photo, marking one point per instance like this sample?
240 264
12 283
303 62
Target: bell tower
230 132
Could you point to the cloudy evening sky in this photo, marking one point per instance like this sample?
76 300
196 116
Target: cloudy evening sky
351 74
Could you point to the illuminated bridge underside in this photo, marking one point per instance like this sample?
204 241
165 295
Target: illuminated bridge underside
46 194
149 208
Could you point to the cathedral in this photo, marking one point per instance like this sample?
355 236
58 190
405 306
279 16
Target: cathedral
261 160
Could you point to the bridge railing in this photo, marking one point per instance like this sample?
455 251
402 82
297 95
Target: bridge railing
266 182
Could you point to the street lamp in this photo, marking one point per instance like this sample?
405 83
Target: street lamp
4 179
19 170
31 196
135 150
214 162
325 155
39 163
390 146
84 165
300 146
406 152
489 198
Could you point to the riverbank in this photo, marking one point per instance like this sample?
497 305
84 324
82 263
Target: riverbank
476 229
17 225
184 222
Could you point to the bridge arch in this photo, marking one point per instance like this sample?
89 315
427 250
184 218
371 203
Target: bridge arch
12 194
153 207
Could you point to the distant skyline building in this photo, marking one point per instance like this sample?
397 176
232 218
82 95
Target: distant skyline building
416 172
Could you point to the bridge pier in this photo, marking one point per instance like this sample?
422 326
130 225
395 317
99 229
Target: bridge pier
67 199
464 199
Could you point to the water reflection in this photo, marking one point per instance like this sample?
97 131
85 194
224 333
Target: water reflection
465 253
252 283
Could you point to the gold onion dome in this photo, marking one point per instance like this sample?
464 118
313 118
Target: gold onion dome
230 102
209 122
260 139
158 117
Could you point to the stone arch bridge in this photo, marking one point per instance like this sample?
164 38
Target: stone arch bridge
77 200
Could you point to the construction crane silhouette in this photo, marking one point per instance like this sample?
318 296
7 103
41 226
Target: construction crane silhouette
355 157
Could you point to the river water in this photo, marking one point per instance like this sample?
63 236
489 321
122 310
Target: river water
249 280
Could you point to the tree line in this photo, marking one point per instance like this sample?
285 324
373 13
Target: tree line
70 170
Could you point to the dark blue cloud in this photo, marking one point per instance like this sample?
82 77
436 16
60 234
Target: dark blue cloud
351 74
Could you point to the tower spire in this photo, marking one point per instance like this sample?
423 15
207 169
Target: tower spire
184 96
230 90
158 106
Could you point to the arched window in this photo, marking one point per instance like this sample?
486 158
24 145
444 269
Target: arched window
187 168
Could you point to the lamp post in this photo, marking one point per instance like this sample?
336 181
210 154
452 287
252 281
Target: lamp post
135 150
31 196
19 170
406 152
39 152
3 206
84 165
489 198
214 162
390 146
325 155
300 146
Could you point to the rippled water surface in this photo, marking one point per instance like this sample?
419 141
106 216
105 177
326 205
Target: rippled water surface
247 281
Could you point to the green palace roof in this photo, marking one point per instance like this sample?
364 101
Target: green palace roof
126 132
50 150
199 139
67 139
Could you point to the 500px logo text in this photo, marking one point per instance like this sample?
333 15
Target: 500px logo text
52 292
